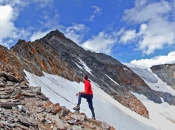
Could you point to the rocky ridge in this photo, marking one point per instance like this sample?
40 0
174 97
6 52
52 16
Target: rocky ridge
23 107
166 73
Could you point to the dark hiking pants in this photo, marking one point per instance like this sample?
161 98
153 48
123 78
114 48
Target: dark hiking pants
89 98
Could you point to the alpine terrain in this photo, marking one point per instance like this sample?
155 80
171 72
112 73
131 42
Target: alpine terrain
39 80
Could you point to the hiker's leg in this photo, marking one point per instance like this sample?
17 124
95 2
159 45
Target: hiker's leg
77 108
81 96
91 104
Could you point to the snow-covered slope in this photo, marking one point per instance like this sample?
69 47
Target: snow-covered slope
162 115
143 72
60 90
63 91
150 78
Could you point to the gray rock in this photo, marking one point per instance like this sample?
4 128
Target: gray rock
2 79
63 113
9 83
3 92
16 92
8 105
10 78
31 121
6 124
48 109
76 128
4 97
2 84
36 89
23 120
104 126
25 93
39 110
24 87
71 122
21 126
61 125
78 117
16 84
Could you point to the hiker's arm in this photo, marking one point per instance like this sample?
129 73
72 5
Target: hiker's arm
81 92
85 91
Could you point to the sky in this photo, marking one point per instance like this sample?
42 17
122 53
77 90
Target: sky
141 32
62 91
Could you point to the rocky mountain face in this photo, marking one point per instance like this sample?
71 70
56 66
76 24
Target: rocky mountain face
56 54
9 63
166 73
23 107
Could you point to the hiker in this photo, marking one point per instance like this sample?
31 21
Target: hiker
87 94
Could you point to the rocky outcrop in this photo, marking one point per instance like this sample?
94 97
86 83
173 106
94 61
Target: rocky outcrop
25 108
130 101
9 63
36 57
166 73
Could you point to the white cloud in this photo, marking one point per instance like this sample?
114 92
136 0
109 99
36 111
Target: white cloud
43 3
38 35
157 26
101 43
128 35
50 20
6 13
76 32
139 3
170 58
17 6
97 10
9 11
11 2
8 30
92 18
22 3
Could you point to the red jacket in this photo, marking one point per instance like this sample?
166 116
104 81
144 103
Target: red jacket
88 87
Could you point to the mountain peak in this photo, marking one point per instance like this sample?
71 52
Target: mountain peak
56 33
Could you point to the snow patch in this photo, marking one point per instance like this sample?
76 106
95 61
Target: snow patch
79 66
143 72
161 86
111 79
85 66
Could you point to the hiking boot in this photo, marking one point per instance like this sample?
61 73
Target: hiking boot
93 117
77 108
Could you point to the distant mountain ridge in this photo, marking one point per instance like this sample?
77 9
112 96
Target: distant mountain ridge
166 73
56 54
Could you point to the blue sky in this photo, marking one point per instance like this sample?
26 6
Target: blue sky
137 31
